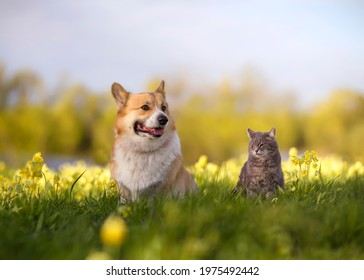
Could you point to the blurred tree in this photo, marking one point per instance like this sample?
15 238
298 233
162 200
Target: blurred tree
103 133
20 89
213 121
176 89
252 93
336 126
6 86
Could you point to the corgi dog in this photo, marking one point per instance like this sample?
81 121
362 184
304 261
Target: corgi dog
146 155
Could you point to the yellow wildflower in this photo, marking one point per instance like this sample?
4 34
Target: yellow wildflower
212 168
38 158
98 256
36 165
124 210
296 160
113 231
307 158
56 179
293 152
202 162
2 166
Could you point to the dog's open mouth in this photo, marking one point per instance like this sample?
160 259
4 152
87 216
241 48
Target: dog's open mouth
140 128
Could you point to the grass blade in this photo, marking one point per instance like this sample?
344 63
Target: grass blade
74 183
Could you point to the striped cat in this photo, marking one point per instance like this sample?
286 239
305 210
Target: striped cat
262 173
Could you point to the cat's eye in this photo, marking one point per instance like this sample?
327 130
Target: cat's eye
164 108
145 107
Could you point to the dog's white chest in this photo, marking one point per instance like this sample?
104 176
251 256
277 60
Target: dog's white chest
137 170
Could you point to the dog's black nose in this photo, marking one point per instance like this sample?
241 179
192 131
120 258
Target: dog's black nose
162 120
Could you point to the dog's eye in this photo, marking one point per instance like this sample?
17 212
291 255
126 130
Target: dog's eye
145 108
164 108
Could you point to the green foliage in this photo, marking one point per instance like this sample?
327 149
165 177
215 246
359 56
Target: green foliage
59 215
74 121
338 125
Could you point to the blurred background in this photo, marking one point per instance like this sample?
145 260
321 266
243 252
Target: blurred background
228 65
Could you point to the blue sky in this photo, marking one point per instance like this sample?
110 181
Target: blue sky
310 47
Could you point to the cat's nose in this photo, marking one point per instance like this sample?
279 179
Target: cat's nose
257 151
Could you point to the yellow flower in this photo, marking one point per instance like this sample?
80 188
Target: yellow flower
307 157
295 160
112 184
212 168
293 152
56 179
98 256
38 158
113 231
36 165
2 166
124 210
202 162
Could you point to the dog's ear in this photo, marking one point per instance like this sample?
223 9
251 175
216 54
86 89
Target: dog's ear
120 94
160 89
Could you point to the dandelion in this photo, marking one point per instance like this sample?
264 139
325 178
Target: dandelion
202 162
113 231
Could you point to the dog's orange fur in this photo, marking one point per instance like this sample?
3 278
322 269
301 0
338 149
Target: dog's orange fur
144 163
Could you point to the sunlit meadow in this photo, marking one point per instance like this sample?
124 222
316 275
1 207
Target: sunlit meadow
73 213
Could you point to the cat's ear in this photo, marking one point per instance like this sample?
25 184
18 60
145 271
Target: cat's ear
272 132
250 133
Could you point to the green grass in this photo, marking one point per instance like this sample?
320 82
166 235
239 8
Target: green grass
311 219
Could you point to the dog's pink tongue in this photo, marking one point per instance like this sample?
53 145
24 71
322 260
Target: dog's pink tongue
151 130
157 131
